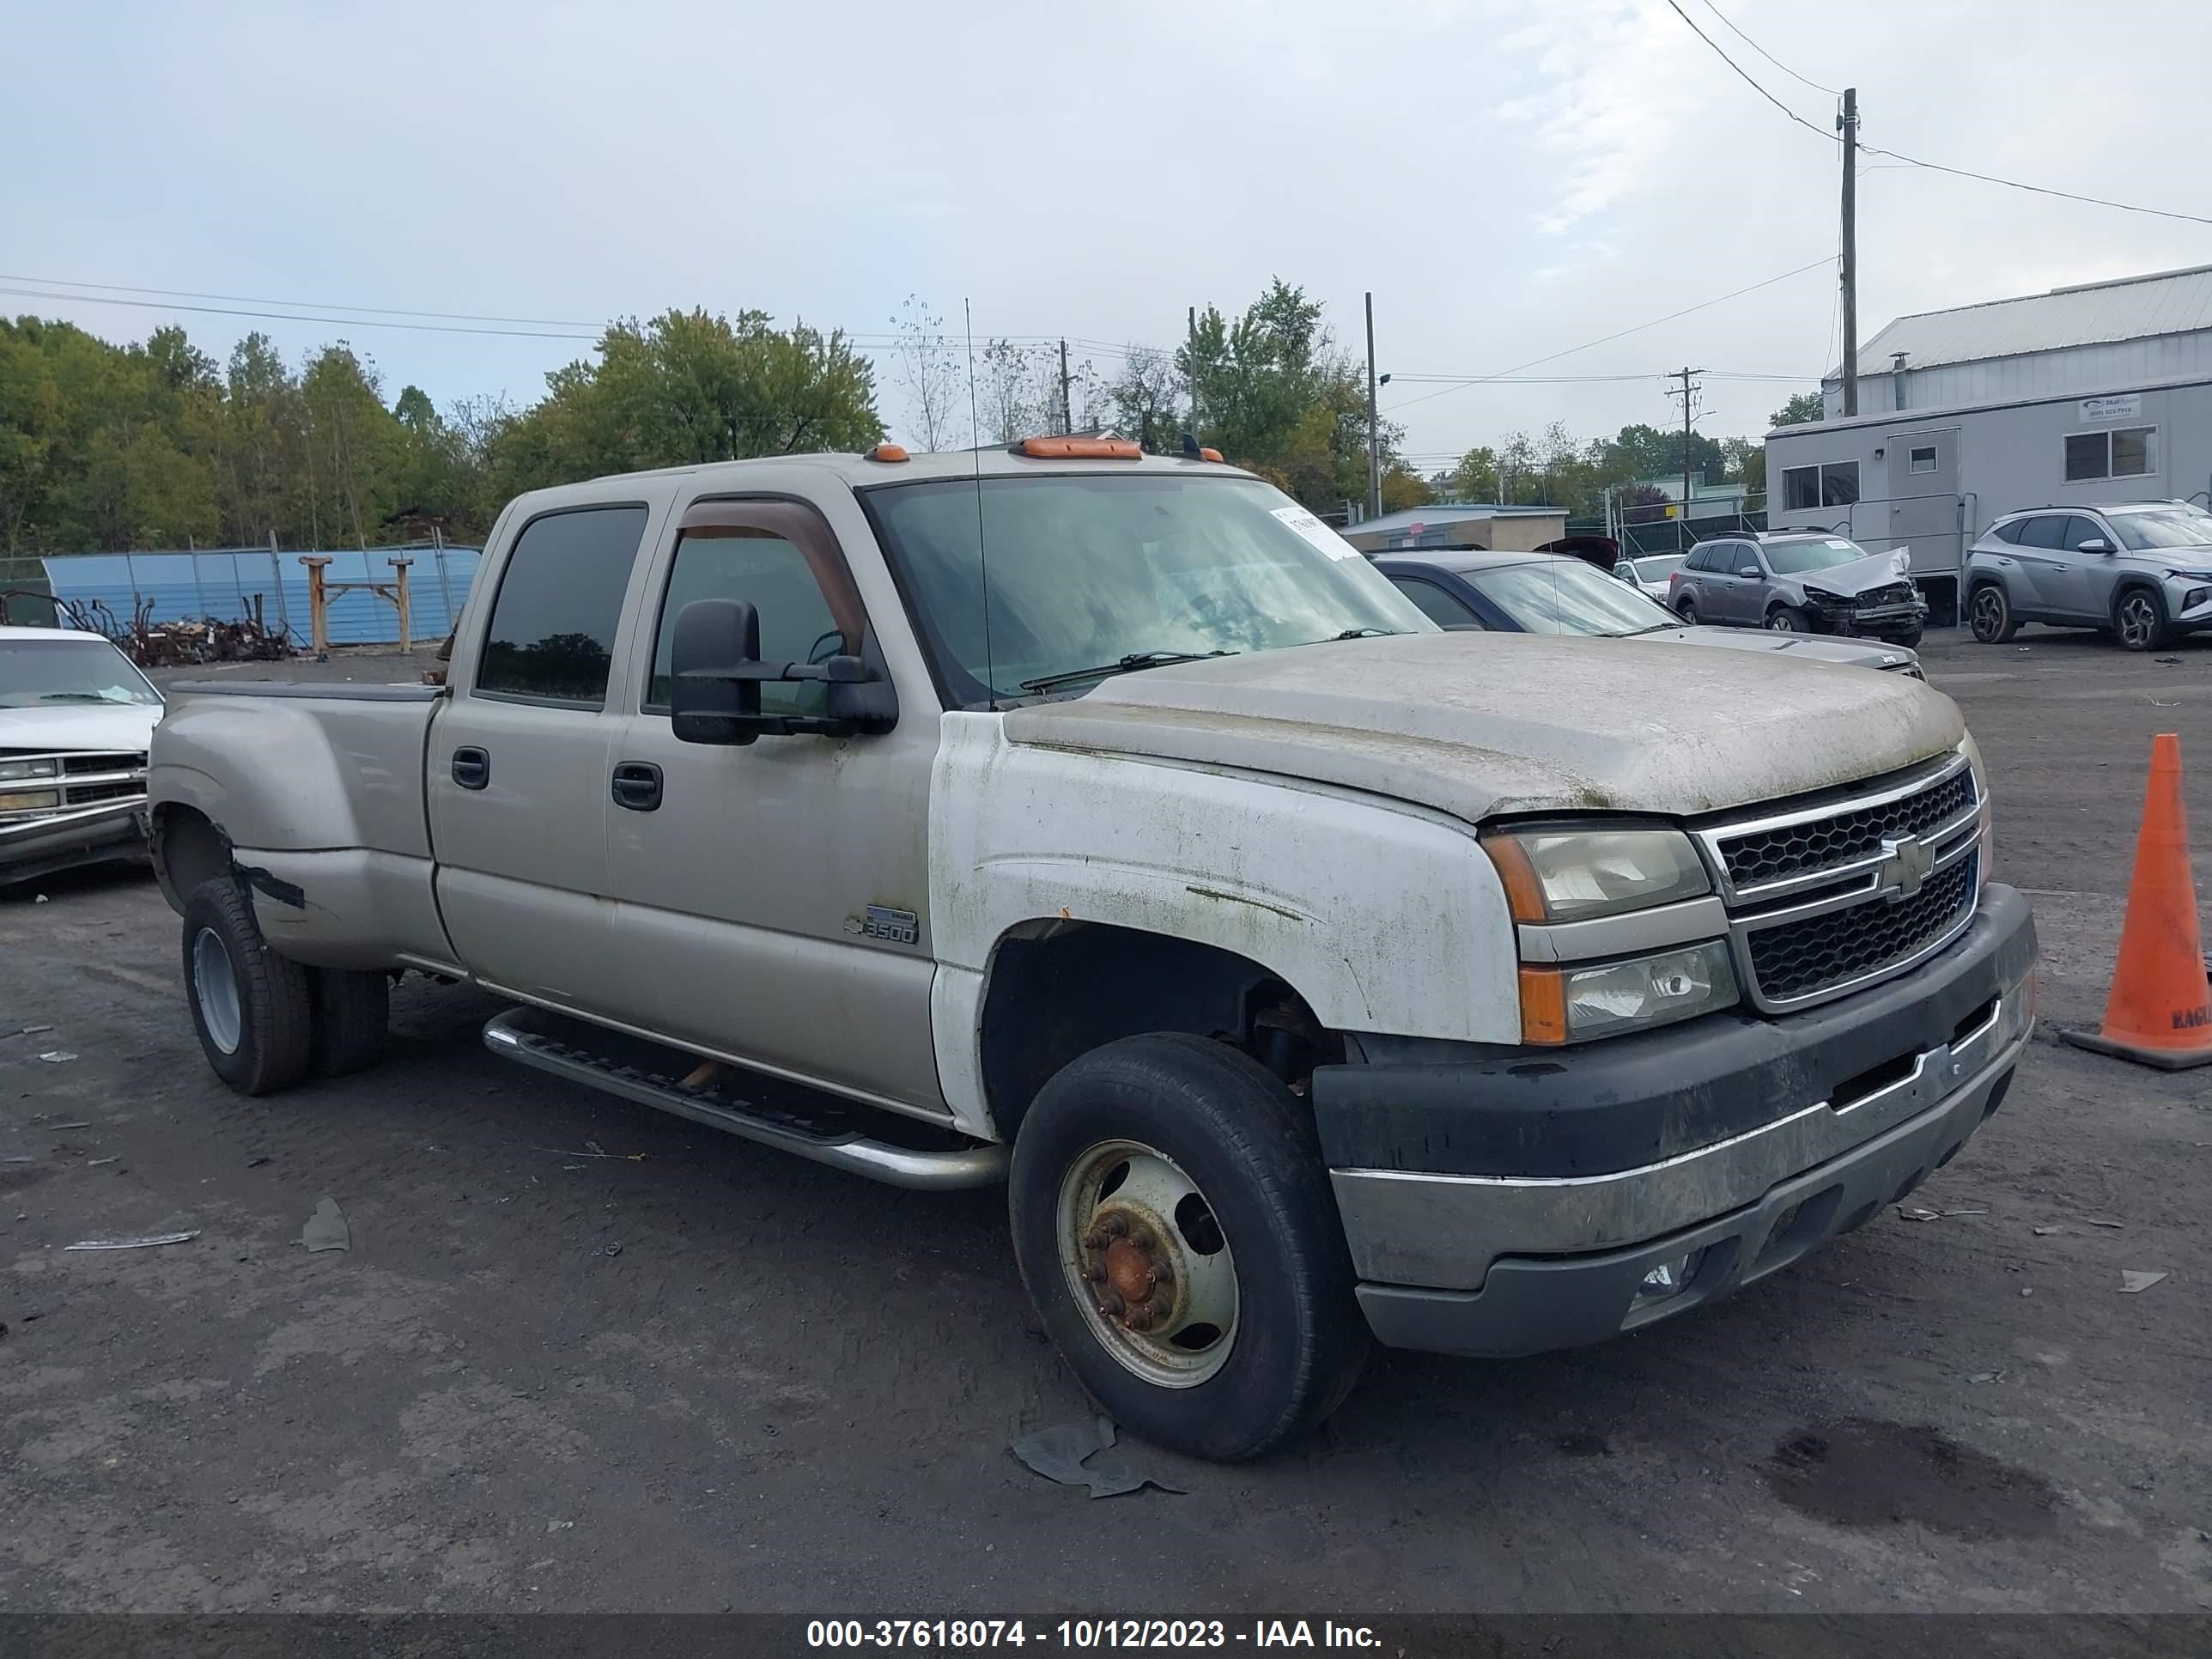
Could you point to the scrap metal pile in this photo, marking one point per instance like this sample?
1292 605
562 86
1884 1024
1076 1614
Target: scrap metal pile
167 644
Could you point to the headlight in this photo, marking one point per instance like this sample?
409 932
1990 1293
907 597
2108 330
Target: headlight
11 770
1821 596
1568 1005
30 801
1574 875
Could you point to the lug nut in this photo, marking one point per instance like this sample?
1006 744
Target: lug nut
1116 1225
1140 1319
1095 1272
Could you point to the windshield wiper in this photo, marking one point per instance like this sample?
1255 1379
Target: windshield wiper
1366 632
1128 664
76 697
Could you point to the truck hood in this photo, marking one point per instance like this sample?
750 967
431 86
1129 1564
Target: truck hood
1860 575
1475 724
60 726
1797 647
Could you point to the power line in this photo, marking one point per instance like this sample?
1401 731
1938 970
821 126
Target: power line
1767 55
1914 161
1617 334
1746 76
293 317
305 304
2039 190
313 310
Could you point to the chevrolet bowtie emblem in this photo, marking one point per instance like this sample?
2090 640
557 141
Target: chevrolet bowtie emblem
1905 863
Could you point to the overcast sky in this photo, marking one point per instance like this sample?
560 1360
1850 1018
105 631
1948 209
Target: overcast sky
1510 180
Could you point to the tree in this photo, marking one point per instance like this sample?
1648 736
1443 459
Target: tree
1645 503
688 388
1275 395
1802 407
1403 487
929 372
1476 476
1144 401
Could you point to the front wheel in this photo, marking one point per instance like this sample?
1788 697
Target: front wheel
1990 613
2139 620
1788 619
1174 1223
253 1009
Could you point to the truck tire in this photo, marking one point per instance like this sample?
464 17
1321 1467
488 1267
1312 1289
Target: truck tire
1173 1222
1991 611
2139 619
253 1010
352 1012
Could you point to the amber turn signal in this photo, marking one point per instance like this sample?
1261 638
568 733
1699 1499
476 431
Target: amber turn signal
1543 1006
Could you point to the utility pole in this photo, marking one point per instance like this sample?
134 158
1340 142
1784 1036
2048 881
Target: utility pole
1848 121
1192 352
1374 438
1066 412
1687 394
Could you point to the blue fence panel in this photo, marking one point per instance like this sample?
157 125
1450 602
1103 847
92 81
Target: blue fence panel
222 585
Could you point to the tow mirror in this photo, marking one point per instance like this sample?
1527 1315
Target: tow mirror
716 676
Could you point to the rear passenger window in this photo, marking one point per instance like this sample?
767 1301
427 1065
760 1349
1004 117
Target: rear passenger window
2048 531
2010 532
1441 608
552 631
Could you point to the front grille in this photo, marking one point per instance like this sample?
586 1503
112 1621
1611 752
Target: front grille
1796 849
119 761
88 794
1895 593
1799 959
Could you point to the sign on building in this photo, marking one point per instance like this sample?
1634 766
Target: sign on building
2095 411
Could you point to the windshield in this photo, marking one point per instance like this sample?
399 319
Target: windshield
38 673
2172 526
1086 570
1796 558
1657 570
1565 595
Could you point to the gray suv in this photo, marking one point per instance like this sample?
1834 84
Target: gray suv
2140 569
1811 582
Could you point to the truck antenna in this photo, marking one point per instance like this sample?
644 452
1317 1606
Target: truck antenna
982 562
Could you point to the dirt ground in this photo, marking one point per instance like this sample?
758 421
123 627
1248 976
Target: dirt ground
580 1356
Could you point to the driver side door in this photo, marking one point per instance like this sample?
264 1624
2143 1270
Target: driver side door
772 898
1733 600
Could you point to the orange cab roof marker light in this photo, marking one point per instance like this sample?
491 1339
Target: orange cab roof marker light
1078 449
888 452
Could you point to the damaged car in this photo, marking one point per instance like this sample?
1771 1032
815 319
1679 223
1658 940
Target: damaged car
1800 582
77 717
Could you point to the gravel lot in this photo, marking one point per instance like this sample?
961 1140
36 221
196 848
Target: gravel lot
693 1374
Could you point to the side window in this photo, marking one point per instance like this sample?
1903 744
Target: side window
2080 529
552 631
1839 483
2009 532
1439 606
733 562
1801 487
1923 457
2047 531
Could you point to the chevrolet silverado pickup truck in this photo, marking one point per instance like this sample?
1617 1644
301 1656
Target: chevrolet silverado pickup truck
1104 824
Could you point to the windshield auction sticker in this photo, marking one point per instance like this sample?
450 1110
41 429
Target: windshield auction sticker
1317 533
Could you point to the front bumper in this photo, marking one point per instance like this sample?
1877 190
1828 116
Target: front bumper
38 847
1880 621
2183 617
1490 1260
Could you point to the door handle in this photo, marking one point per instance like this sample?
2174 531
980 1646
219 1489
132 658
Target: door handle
637 786
471 767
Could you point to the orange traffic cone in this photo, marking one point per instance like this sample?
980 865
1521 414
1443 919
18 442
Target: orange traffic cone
2159 1011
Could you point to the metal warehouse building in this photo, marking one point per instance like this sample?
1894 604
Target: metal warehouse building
2097 393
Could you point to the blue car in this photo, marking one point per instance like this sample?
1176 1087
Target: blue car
1545 594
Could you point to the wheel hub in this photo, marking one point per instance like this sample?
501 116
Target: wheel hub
1148 1263
1127 1258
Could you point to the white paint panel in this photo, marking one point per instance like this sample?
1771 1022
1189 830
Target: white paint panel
1384 918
